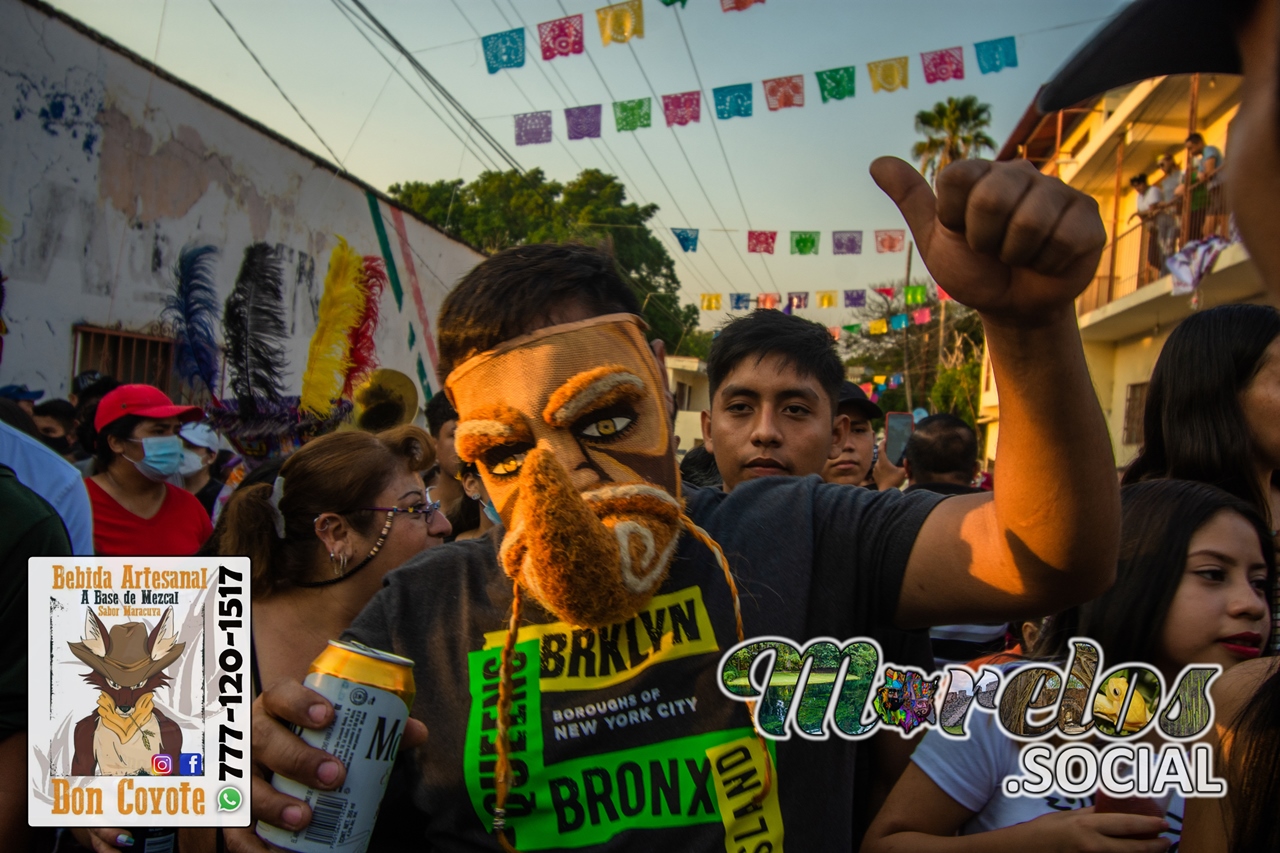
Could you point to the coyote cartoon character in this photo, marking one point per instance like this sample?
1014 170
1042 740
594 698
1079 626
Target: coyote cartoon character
121 736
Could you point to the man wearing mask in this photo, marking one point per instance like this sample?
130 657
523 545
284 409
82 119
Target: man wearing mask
562 406
199 452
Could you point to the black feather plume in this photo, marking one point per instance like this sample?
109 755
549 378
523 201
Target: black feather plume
193 310
254 329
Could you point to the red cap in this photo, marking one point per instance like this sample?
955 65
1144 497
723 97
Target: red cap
145 401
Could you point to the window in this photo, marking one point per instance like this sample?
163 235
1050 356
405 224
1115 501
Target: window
684 396
128 356
1135 402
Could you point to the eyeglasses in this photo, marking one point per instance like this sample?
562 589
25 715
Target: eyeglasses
424 511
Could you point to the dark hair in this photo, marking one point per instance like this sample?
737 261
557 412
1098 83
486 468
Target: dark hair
16 417
338 472
1194 427
805 346
519 289
61 411
1138 179
1158 520
95 392
942 444
121 428
698 468
264 473
439 412
1253 773
1195 137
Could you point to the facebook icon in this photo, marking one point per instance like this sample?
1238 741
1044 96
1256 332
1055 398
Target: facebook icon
191 764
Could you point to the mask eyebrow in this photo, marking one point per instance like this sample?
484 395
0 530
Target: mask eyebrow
592 389
489 427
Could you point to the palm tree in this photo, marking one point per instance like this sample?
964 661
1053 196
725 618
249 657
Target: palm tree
954 130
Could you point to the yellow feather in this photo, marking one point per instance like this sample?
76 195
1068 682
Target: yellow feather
341 304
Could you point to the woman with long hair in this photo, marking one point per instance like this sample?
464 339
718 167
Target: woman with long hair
345 509
1194 562
1213 411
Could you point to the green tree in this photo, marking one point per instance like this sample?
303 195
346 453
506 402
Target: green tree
502 209
953 130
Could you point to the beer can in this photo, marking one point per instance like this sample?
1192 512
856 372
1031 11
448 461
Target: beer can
372 693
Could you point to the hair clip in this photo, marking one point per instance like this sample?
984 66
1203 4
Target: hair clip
277 492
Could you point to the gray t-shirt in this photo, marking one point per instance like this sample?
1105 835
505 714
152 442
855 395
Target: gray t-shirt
621 738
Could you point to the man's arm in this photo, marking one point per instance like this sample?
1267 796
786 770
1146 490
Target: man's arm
1018 247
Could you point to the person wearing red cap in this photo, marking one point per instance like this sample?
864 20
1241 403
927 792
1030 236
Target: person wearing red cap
135 510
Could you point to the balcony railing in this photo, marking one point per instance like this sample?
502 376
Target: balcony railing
1138 257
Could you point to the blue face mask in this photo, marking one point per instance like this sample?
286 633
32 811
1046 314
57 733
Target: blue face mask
491 513
161 456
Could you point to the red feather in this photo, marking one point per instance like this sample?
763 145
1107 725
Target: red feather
364 352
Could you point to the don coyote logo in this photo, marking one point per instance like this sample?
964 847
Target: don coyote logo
125 731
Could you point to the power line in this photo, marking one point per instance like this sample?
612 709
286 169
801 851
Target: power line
645 152
716 130
351 18
440 89
510 77
287 99
653 92
619 167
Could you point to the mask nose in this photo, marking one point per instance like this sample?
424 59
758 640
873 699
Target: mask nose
124 709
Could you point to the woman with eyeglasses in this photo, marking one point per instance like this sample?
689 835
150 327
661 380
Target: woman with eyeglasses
345 509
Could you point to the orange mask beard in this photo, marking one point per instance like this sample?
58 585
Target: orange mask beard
592 559
573 440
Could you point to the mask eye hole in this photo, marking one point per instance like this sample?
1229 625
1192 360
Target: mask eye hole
113 685
606 427
506 461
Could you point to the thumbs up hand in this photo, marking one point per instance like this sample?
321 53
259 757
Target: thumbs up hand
1004 239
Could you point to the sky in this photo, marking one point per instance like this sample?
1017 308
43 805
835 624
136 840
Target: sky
802 169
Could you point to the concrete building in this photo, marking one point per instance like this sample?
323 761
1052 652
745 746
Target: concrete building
687 378
109 167
1128 310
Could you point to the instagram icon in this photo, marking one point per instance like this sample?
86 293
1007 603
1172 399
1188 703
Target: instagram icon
162 765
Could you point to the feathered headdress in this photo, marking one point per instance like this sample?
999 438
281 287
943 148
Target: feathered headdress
254 329
341 307
193 310
364 353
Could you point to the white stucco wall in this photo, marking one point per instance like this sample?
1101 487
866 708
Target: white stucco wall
107 170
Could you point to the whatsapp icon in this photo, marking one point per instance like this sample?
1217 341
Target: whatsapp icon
229 799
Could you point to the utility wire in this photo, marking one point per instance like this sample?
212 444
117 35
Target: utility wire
619 168
440 89
694 172
645 152
481 157
287 99
710 102
512 78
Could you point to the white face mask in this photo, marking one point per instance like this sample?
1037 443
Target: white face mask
191 463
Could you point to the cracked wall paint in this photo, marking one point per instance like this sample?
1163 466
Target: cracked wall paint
110 171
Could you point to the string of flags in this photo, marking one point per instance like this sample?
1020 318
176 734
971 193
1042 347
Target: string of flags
916 294
805 242
620 22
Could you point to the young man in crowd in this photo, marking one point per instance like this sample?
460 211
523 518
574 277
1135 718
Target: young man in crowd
780 406
774 379
564 409
857 451
442 422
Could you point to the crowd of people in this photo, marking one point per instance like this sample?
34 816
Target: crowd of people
537 552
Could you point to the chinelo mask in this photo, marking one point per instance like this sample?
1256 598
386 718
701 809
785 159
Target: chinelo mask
569 429
161 456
